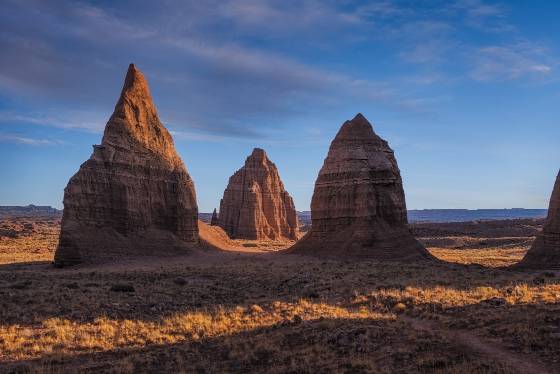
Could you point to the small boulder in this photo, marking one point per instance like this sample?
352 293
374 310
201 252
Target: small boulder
122 287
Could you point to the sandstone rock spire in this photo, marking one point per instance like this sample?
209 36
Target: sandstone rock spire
133 196
545 251
214 220
358 206
255 204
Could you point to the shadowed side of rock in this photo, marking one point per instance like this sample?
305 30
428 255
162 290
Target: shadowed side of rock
358 207
134 195
214 221
256 205
545 251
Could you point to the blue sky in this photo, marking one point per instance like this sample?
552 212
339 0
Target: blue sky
466 92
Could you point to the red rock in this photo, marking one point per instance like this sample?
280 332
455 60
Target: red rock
133 196
358 206
255 204
545 251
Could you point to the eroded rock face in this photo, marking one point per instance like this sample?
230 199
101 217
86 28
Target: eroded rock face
256 205
545 251
134 195
358 206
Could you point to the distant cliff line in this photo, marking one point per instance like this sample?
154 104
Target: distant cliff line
29 211
443 215
414 215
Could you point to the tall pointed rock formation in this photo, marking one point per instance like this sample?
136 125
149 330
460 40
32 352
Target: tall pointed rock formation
358 207
256 205
545 251
133 196
214 220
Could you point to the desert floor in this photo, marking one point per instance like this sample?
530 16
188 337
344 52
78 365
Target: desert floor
249 309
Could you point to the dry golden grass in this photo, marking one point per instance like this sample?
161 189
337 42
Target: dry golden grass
38 246
274 313
65 336
489 257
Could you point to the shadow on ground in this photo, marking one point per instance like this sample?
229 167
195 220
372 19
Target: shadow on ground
324 345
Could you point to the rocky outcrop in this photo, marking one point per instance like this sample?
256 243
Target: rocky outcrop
256 205
545 251
133 196
214 220
358 206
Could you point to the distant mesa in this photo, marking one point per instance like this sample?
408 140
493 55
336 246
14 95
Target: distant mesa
29 211
255 204
358 206
133 196
545 251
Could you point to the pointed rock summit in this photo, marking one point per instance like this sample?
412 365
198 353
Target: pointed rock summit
358 206
256 205
545 251
133 196
135 122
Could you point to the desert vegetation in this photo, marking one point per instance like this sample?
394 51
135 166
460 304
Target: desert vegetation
249 310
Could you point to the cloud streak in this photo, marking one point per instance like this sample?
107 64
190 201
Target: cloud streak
73 120
24 140
244 68
509 62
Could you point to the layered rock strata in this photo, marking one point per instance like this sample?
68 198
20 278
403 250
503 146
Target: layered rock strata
255 204
133 196
358 206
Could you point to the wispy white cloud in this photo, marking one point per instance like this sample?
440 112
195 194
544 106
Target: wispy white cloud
274 16
216 68
25 140
508 62
489 17
80 120
438 40
208 70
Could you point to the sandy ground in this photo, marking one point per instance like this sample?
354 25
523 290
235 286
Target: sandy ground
251 309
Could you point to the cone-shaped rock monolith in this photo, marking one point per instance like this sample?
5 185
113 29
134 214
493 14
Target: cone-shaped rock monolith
358 207
214 220
256 205
133 196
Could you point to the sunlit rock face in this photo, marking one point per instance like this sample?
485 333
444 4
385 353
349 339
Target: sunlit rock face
358 206
545 251
133 196
255 204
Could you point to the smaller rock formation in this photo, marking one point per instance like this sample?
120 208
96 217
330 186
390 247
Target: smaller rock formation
545 251
358 206
133 196
214 220
255 204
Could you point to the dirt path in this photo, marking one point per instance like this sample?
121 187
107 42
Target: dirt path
523 363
